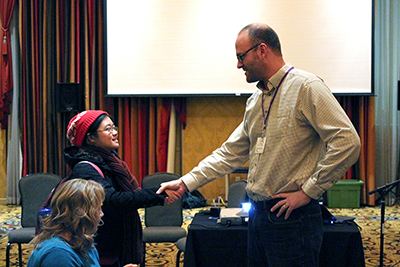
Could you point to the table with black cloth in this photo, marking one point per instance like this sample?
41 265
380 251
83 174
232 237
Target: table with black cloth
211 244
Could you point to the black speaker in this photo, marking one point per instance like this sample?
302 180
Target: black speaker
69 97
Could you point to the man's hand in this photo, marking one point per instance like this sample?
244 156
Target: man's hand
175 190
290 202
172 196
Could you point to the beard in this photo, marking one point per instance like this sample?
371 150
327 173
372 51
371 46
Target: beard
251 76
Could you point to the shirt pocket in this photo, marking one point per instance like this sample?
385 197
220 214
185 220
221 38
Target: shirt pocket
279 124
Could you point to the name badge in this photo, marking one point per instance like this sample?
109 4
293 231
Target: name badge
260 145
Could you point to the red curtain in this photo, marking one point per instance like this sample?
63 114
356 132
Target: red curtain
361 111
6 74
63 42
57 45
162 144
144 126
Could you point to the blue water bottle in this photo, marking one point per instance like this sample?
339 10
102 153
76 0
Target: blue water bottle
43 213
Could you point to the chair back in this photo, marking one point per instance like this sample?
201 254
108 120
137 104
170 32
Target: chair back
34 189
237 194
167 215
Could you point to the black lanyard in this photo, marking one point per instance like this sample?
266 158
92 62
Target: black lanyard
272 101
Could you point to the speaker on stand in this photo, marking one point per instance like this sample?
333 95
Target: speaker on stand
69 101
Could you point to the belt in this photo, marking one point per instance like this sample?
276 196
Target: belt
264 205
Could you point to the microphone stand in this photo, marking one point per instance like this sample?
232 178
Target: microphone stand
383 191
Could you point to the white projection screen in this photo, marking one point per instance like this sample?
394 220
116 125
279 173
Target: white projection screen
187 47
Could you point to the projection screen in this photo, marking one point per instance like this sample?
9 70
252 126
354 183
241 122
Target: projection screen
187 47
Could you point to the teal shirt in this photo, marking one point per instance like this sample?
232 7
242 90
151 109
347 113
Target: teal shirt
56 252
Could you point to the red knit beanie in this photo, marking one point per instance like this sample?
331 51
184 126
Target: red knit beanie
80 124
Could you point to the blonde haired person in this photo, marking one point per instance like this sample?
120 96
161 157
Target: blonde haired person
66 238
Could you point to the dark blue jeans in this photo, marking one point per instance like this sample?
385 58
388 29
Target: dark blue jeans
276 242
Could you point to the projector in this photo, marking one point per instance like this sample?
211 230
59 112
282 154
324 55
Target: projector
230 216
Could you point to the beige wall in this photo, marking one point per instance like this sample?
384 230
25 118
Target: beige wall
3 167
210 121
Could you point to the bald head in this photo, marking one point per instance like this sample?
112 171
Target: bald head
262 33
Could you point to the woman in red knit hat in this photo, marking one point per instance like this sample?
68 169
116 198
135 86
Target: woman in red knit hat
94 139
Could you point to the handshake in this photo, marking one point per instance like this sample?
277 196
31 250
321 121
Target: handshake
174 189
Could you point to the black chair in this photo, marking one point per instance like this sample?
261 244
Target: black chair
237 194
163 223
34 189
180 244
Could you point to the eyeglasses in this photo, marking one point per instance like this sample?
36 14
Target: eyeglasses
241 56
110 129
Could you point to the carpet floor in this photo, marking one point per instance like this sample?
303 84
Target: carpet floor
368 218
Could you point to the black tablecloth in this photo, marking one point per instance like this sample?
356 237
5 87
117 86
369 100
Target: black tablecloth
211 244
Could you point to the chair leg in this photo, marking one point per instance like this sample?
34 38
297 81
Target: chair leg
143 264
178 257
20 254
8 254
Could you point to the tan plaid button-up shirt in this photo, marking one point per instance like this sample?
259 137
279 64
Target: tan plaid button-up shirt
310 142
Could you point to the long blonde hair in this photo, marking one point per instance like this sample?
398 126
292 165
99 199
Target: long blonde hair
75 210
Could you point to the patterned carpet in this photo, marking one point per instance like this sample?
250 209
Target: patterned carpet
368 218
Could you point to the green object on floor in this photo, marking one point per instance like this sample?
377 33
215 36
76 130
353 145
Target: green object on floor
345 194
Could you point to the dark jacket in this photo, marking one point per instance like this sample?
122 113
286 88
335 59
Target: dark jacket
121 234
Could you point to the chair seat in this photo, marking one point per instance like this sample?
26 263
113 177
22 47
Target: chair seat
162 234
21 235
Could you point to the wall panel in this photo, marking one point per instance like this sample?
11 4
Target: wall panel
210 121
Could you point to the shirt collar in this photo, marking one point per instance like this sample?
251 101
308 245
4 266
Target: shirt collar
274 80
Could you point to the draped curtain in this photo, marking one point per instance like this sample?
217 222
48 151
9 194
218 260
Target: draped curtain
49 46
63 41
6 72
144 132
361 111
387 76
14 153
